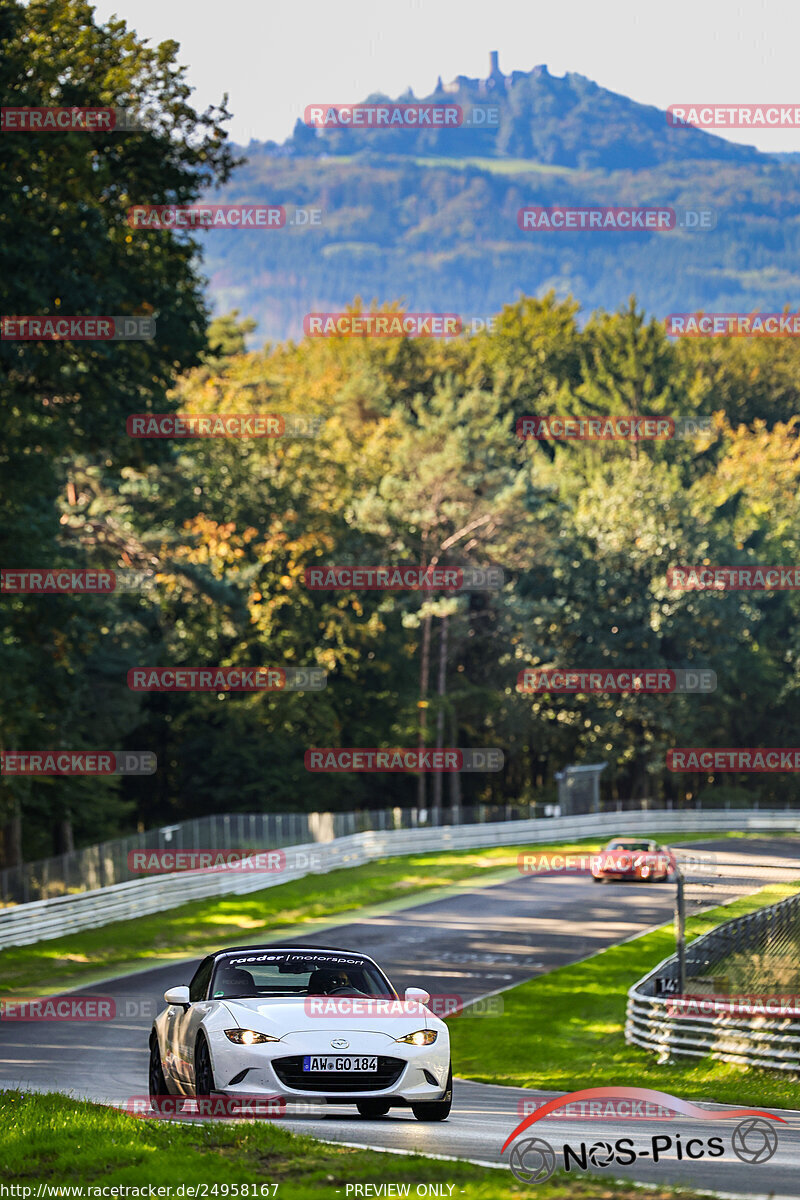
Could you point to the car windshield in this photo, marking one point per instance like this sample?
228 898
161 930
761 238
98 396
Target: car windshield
619 844
296 973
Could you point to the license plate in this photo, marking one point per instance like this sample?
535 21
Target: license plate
339 1062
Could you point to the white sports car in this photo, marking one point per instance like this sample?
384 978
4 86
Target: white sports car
304 1023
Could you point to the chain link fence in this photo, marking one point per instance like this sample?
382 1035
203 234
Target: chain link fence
739 998
107 863
753 955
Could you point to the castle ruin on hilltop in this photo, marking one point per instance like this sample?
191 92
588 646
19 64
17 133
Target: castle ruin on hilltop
496 83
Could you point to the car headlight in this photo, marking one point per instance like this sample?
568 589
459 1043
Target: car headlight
422 1037
248 1037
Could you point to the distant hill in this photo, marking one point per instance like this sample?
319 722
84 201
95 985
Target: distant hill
430 219
567 122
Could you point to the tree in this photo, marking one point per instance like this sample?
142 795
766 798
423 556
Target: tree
66 248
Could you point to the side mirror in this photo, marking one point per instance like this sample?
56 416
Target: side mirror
418 994
178 995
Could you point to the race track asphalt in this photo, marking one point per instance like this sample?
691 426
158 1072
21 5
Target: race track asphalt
474 942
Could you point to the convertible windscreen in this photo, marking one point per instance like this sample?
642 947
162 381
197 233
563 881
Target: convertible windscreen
291 973
619 845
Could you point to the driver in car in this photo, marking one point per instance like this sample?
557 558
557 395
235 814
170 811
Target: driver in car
326 982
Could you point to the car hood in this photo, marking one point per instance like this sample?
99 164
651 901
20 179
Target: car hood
318 1013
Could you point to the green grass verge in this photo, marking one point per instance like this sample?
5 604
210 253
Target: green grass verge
50 1139
565 1030
497 166
204 925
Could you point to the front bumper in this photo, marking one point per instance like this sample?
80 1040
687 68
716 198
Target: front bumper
405 1073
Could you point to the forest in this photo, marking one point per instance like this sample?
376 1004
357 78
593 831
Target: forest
394 451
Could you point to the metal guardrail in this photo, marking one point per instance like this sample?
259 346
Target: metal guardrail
45 919
102 865
106 863
763 1040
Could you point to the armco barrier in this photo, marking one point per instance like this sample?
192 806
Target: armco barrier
757 1040
107 863
44 919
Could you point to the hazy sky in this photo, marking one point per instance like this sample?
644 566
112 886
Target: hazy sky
275 58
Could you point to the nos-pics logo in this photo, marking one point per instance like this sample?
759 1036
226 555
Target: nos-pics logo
533 1160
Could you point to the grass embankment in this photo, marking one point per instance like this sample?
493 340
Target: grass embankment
51 1140
565 1030
197 928
496 166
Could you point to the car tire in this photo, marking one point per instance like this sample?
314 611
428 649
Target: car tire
373 1108
436 1110
161 1099
597 879
204 1083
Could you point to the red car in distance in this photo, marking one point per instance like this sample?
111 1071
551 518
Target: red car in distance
633 858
